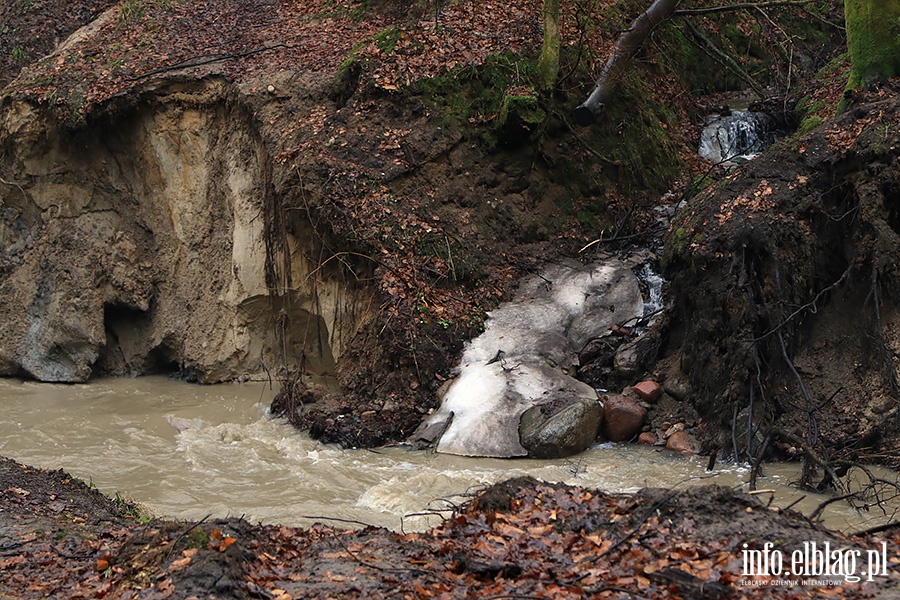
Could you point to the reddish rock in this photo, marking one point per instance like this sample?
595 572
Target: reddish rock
683 443
649 391
622 418
648 438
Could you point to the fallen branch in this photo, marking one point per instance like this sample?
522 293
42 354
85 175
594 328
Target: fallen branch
369 565
744 5
812 454
819 509
339 520
626 47
641 522
876 529
793 504
195 62
754 471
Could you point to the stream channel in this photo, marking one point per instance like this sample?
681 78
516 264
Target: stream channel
185 451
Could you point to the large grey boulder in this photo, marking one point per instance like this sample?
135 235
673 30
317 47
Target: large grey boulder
563 427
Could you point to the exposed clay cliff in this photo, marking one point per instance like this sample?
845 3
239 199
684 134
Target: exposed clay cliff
140 245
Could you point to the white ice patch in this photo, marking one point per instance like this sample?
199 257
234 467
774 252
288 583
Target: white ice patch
526 353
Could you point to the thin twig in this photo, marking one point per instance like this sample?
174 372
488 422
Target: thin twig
374 566
744 5
353 521
816 513
794 503
192 62
876 529
185 532
806 306
13 183
643 520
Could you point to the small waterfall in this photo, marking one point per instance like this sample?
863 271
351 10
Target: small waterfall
736 137
654 282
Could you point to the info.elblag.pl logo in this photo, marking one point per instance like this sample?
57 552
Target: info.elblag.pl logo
815 560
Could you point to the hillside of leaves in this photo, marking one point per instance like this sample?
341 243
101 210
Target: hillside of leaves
518 539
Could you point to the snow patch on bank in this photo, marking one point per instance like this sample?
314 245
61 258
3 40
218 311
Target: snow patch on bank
527 354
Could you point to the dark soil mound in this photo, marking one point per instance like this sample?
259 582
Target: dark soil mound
521 538
785 277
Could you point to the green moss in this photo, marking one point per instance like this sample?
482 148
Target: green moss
873 40
700 72
808 124
523 107
130 11
697 185
478 93
677 244
835 65
387 39
196 538
350 67
337 8
636 134
807 106
131 509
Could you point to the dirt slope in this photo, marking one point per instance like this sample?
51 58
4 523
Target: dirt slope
785 278
58 538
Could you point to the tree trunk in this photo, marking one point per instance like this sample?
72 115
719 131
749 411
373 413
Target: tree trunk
626 47
548 64
873 40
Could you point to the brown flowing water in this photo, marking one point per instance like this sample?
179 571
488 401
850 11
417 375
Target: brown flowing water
186 451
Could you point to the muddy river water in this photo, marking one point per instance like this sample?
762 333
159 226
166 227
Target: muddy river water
186 451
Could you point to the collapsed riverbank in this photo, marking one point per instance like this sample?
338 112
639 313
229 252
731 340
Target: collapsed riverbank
366 225
60 538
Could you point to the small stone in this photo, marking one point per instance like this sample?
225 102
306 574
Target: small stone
673 429
650 391
367 414
682 443
678 387
271 88
647 439
622 418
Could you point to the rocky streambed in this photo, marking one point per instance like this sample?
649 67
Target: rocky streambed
515 392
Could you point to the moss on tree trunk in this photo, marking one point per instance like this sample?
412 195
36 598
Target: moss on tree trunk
548 64
873 39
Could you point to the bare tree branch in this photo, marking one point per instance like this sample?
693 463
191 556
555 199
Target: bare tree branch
743 5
